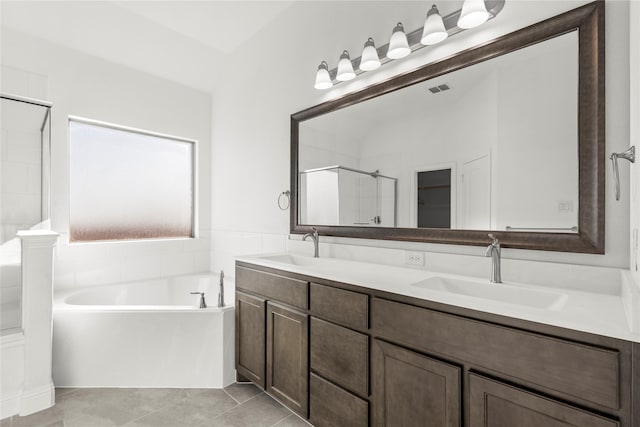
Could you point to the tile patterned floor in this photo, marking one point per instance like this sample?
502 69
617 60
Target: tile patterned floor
239 405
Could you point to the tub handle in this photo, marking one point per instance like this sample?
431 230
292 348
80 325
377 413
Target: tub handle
203 303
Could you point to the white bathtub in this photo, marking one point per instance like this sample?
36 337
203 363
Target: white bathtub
143 334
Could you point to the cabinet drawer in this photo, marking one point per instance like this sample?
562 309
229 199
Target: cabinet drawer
340 355
492 404
574 370
331 406
284 289
345 307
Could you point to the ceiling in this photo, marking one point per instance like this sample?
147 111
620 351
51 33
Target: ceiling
183 41
193 41
221 25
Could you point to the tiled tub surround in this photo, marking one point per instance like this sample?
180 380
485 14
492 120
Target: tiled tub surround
600 301
81 265
143 334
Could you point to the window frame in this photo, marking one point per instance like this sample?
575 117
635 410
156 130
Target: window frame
194 178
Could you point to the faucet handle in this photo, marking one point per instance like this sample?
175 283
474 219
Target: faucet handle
203 303
495 240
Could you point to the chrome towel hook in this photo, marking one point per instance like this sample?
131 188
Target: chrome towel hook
630 155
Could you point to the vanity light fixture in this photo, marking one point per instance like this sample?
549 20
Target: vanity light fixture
323 79
345 68
369 59
474 13
434 30
398 44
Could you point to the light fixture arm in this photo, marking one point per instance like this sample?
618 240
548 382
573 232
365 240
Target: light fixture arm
494 7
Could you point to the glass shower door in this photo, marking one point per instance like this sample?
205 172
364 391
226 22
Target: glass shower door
24 194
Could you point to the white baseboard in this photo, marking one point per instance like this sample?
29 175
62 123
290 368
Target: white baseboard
37 399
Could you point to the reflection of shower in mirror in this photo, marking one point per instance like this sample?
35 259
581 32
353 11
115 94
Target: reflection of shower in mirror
340 195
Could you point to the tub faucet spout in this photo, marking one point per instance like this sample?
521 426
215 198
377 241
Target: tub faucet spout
203 303
221 293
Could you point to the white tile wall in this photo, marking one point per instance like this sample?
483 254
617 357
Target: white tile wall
101 263
18 81
226 245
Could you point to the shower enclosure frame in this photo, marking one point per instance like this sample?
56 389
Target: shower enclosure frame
374 174
46 124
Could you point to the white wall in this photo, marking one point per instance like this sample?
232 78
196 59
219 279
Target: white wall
634 114
251 126
536 157
432 139
85 86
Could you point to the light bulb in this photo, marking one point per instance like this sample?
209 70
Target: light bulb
369 59
434 30
398 45
345 68
323 79
474 13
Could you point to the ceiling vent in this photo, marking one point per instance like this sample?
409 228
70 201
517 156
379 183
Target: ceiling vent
439 88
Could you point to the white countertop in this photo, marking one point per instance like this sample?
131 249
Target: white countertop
597 311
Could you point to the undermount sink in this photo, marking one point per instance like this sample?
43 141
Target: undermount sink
296 259
510 294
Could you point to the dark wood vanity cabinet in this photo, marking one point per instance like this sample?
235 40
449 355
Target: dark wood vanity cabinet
348 356
250 338
411 389
287 356
495 404
339 357
272 335
512 377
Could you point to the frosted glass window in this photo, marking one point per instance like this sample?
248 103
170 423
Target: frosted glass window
128 184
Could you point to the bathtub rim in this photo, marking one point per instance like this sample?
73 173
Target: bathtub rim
60 304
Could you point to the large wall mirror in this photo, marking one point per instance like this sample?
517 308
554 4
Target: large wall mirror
505 138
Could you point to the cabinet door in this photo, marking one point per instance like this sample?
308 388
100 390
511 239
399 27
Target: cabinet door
250 343
288 357
410 389
494 404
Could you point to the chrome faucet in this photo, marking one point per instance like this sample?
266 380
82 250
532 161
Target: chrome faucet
203 303
493 251
314 236
221 293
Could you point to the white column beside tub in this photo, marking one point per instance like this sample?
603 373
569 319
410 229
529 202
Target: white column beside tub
38 392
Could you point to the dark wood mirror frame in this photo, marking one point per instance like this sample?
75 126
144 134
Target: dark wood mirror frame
589 21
